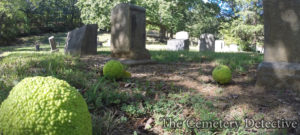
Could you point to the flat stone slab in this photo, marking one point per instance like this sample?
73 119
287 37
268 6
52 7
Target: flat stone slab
278 76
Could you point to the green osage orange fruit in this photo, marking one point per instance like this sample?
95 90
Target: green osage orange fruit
44 105
113 69
222 74
126 74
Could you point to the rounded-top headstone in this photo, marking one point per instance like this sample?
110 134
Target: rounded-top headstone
182 35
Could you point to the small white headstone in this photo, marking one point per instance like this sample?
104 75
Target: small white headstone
260 49
182 35
107 43
233 48
219 45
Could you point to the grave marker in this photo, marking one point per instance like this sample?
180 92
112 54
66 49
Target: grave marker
181 42
128 32
207 42
52 44
82 41
281 67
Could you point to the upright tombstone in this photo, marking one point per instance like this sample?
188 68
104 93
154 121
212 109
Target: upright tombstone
181 42
281 67
82 41
37 46
52 44
182 35
207 42
128 32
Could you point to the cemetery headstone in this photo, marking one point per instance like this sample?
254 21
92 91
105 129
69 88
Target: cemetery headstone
219 46
181 42
99 43
37 47
182 35
259 49
280 69
128 32
207 42
82 41
52 44
107 43
153 33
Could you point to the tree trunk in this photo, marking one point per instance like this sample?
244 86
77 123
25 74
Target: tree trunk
162 34
171 34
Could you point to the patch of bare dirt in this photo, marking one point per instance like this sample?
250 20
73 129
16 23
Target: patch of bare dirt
240 98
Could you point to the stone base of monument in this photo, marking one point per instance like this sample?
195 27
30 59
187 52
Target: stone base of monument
135 54
130 62
278 76
55 50
178 44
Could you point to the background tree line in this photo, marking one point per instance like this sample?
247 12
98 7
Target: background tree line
25 17
235 21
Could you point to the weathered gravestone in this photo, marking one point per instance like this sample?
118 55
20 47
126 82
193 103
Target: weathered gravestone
128 32
52 44
37 46
181 42
281 67
207 42
82 41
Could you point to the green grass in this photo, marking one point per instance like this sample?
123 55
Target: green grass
104 97
17 66
238 62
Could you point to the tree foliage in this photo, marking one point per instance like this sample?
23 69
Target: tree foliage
167 15
237 21
246 27
22 17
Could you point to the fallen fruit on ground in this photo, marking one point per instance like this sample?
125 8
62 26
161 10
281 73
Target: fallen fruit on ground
44 105
222 74
113 69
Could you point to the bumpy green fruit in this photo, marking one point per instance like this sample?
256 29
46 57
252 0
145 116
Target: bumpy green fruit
113 69
44 105
222 74
126 74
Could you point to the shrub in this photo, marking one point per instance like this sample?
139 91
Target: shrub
44 105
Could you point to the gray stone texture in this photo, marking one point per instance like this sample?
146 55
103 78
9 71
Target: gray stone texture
178 44
52 43
281 67
37 47
278 76
82 41
207 42
181 42
128 32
